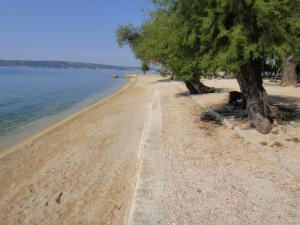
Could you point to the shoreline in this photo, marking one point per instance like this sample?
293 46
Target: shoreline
58 121
81 170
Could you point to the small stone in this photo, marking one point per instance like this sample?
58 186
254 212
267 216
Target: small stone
58 199
31 189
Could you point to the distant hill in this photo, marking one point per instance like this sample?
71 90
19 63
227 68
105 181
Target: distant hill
62 64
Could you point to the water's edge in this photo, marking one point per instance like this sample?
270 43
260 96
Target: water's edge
34 128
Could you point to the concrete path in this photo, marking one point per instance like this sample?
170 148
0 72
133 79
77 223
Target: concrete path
145 207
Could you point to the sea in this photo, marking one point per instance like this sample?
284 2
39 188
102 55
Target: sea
32 99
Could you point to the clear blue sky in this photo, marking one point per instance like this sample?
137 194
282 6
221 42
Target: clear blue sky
73 30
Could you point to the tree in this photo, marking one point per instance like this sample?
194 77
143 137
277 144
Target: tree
158 42
238 36
197 37
290 49
289 72
128 35
145 67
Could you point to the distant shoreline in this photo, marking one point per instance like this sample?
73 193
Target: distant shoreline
61 65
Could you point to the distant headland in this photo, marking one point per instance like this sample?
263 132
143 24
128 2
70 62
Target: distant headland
62 64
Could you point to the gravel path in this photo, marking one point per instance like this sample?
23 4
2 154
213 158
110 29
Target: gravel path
209 176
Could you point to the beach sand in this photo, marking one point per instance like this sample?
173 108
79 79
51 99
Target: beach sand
145 156
82 170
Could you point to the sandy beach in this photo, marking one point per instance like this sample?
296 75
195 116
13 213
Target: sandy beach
146 156
82 170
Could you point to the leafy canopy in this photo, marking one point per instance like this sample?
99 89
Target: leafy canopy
190 38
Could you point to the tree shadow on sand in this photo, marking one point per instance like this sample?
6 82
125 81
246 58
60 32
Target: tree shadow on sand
288 108
208 118
187 93
284 110
163 80
183 94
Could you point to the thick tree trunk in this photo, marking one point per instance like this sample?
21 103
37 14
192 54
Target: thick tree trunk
250 82
197 87
190 87
289 71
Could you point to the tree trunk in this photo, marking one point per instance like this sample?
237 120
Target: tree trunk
237 99
197 87
289 71
250 82
190 87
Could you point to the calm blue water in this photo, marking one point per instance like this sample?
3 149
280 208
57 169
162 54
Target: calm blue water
31 94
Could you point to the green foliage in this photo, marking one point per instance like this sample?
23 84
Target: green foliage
127 35
291 32
232 33
196 37
131 36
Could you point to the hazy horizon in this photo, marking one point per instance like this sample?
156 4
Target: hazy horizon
43 60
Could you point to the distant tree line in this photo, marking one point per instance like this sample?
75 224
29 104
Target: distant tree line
196 38
62 64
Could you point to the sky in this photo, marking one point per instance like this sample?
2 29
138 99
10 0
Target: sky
70 30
